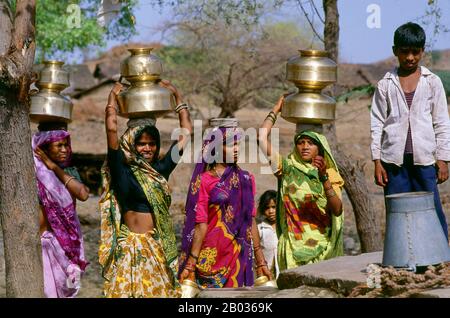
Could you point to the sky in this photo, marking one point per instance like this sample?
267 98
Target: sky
366 26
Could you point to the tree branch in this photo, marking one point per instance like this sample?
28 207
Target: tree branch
309 21
313 5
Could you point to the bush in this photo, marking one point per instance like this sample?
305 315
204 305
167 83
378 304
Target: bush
445 77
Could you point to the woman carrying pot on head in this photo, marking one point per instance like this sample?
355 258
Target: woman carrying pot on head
59 186
309 206
138 251
220 218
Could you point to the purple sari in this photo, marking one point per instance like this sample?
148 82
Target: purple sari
62 246
225 259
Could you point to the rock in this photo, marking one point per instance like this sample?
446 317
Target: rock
340 274
435 293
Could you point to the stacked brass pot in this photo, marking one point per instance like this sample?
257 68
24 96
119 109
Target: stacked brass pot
48 105
311 72
144 98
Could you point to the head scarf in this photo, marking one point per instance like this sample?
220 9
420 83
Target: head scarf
56 200
302 198
156 190
237 185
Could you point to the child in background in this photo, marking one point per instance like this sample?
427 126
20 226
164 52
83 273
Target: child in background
267 229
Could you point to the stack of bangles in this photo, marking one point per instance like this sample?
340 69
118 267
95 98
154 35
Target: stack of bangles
330 192
181 106
272 117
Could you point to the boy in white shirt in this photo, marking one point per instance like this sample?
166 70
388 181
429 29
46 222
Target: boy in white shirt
410 125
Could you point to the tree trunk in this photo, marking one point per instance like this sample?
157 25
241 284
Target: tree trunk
227 109
366 217
18 201
18 195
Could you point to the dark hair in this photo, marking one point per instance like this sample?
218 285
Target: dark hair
264 200
47 126
410 35
154 133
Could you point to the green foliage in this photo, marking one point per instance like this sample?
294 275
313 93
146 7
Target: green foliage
436 56
357 92
445 77
59 27
244 12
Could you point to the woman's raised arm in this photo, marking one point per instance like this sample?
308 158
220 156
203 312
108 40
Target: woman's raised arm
111 111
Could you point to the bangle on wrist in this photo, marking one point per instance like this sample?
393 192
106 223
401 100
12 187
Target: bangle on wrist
68 180
181 106
193 256
272 117
323 178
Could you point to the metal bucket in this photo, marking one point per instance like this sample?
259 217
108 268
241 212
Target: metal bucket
414 235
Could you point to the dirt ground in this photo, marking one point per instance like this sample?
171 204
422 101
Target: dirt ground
353 130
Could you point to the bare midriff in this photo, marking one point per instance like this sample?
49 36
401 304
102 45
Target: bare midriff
139 222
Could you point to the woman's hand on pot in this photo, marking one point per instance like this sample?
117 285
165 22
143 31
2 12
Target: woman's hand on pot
173 89
184 274
264 271
116 89
187 274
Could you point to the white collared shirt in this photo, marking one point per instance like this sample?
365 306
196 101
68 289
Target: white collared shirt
428 117
269 245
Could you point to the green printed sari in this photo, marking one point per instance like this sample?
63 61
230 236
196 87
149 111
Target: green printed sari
307 232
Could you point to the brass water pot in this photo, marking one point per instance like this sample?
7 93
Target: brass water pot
144 98
141 65
53 76
263 281
312 70
189 289
309 108
49 106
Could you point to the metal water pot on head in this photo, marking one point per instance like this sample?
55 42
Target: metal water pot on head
311 71
414 236
48 105
145 97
